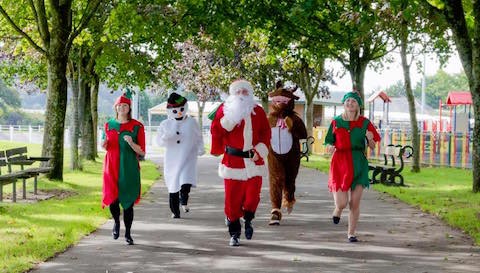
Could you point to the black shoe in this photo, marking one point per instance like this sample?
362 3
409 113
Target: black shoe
336 219
129 239
352 239
175 216
248 230
116 231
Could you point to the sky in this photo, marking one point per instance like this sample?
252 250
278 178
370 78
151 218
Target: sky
375 81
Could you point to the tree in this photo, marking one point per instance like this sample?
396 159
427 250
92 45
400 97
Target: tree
464 21
49 29
194 72
438 86
411 34
307 71
9 96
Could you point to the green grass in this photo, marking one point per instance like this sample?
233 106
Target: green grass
33 232
443 192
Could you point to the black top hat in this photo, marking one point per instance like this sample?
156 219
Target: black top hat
175 100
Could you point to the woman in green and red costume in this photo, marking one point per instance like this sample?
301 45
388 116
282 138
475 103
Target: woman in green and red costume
347 137
124 141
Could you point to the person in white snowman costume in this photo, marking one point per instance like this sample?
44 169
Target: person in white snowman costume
182 139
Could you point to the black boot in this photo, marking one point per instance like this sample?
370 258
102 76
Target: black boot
174 204
128 220
235 229
115 211
248 217
184 191
116 230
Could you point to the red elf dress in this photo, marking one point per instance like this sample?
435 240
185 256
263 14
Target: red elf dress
121 167
349 165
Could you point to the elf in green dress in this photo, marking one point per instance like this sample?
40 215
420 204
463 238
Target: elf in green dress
124 141
346 139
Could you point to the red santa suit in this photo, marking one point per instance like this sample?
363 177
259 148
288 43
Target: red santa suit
253 133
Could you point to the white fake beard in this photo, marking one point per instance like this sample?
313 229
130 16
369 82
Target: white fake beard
238 107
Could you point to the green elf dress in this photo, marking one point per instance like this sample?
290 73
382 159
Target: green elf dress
349 166
121 168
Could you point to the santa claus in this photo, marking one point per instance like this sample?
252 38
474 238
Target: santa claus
241 132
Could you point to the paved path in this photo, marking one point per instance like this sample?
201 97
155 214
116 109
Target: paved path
393 237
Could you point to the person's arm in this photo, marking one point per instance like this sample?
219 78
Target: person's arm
372 136
330 139
140 147
104 138
217 131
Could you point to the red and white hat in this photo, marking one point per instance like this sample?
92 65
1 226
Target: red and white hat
239 85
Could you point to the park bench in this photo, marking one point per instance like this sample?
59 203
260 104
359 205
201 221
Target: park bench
7 178
305 145
392 166
16 160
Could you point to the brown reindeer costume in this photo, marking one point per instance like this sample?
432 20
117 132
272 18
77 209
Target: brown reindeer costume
284 153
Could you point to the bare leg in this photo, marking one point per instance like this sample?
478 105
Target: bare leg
341 200
355 197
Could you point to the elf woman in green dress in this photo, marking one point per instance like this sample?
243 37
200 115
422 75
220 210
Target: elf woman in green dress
346 139
124 141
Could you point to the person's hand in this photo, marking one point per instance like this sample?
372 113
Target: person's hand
369 135
330 149
128 139
255 156
105 143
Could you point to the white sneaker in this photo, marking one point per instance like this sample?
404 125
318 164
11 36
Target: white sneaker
234 241
185 208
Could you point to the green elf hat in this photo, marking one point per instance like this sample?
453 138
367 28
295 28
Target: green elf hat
353 95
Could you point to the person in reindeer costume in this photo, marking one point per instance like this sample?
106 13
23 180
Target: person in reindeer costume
240 132
181 136
284 155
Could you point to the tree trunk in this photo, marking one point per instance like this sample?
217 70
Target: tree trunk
357 72
201 106
87 133
410 99
94 110
55 113
475 89
74 134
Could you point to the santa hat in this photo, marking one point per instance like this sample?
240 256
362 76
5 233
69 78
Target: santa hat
175 100
126 97
239 85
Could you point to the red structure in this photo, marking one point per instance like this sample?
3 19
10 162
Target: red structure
455 99
371 106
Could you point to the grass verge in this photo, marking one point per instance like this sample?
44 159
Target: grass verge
34 231
443 192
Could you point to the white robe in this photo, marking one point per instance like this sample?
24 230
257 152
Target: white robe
184 143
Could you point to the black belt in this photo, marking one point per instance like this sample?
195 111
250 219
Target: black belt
236 152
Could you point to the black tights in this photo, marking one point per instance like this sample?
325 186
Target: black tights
127 216
177 198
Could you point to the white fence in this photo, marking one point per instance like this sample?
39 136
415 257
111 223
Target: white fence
34 134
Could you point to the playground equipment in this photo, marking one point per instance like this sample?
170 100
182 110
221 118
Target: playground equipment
371 107
460 122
